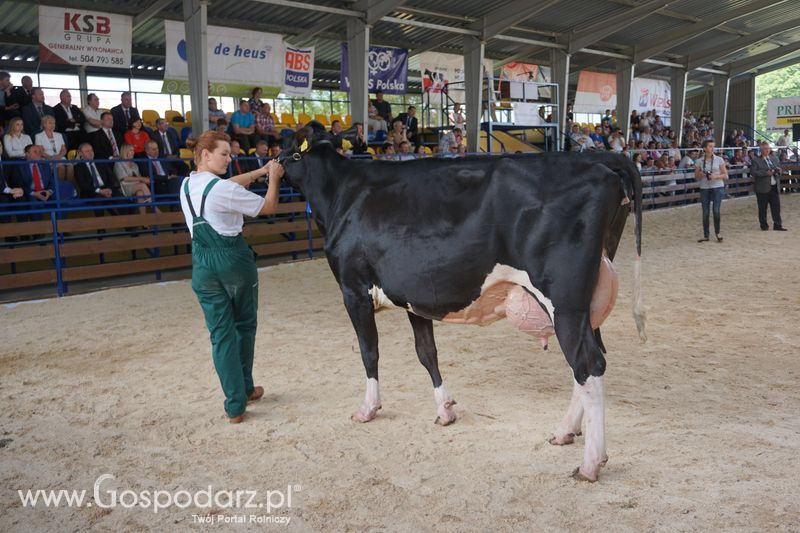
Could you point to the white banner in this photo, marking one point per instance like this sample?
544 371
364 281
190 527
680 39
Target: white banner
439 70
84 37
647 94
238 60
299 71
782 113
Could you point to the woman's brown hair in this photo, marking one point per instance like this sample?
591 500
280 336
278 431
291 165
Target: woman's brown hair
207 141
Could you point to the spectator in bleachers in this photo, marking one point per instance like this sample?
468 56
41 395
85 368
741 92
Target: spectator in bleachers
106 141
93 114
374 120
359 141
166 139
95 181
137 138
580 139
25 91
9 100
166 174
15 140
34 178
637 160
243 127
784 140
457 116
130 177
222 126
397 135
274 151
265 125
649 166
419 150
616 141
236 166
338 137
598 141
214 114
33 112
255 99
260 156
688 159
384 108
451 137
9 192
124 114
53 145
409 119
404 153
69 120
389 151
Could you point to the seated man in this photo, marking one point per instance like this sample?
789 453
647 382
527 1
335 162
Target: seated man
261 156
214 113
33 112
409 120
124 114
106 141
338 138
166 140
96 181
166 177
243 127
34 178
265 125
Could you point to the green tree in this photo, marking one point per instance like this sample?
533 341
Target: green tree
776 84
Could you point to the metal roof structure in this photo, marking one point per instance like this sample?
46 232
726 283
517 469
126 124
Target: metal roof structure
736 37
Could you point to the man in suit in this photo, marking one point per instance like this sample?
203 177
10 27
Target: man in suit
33 112
166 178
168 145
106 141
69 120
124 114
96 181
409 119
9 192
766 172
9 98
34 178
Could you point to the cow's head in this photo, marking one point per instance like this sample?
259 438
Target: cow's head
303 152
302 141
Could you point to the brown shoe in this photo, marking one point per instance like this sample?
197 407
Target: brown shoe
236 419
257 393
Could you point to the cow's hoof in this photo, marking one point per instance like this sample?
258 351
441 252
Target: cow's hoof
445 415
562 440
365 414
580 475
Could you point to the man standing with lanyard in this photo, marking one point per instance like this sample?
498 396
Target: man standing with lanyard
766 172
224 275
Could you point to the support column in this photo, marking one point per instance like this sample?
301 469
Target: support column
195 21
678 98
559 65
357 51
625 70
473 81
83 86
721 85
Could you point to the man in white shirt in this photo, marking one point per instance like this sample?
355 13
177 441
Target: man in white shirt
784 139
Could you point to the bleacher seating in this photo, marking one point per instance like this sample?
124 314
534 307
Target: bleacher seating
150 117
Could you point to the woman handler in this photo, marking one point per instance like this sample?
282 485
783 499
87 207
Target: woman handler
224 276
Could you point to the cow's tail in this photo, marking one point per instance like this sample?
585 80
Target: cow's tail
638 307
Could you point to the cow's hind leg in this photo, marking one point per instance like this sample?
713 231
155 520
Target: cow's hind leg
570 426
426 351
362 315
584 356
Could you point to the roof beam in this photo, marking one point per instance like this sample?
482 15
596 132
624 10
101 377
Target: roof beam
777 66
582 37
150 11
750 63
326 22
722 50
314 7
435 43
507 16
658 45
380 8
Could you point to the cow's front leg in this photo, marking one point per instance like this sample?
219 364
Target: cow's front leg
362 315
427 353
592 395
570 426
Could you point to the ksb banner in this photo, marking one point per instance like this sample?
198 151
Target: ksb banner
597 91
647 95
299 71
441 70
782 113
387 69
84 37
238 60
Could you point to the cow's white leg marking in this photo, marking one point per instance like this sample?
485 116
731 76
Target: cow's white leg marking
444 406
570 425
372 402
592 395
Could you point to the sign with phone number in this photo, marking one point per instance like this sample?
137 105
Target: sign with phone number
82 37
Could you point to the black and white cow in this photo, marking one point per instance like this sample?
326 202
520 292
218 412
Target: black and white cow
472 240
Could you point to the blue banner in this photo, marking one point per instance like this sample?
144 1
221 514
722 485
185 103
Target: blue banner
387 69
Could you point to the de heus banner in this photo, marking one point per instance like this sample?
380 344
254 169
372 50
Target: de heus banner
387 69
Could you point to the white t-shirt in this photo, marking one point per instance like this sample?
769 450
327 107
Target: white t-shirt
225 204
714 167
89 112
51 146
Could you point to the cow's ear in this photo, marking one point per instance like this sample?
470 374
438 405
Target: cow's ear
300 138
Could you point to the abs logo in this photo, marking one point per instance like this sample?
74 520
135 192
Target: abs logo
85 23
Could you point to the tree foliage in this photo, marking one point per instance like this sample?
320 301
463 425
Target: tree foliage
776 84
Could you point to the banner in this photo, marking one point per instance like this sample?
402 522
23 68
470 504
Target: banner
238 60
597 91
782 113
387 70
526 73
439 70
299 71
84 37
647 94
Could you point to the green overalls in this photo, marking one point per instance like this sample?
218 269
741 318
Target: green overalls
225 280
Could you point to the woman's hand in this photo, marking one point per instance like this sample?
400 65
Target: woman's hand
274 169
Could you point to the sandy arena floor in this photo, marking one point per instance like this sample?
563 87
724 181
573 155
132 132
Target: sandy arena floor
702 420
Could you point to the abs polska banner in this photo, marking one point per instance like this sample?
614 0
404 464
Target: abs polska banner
84 37
238 60
387 69
299 71
782 113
